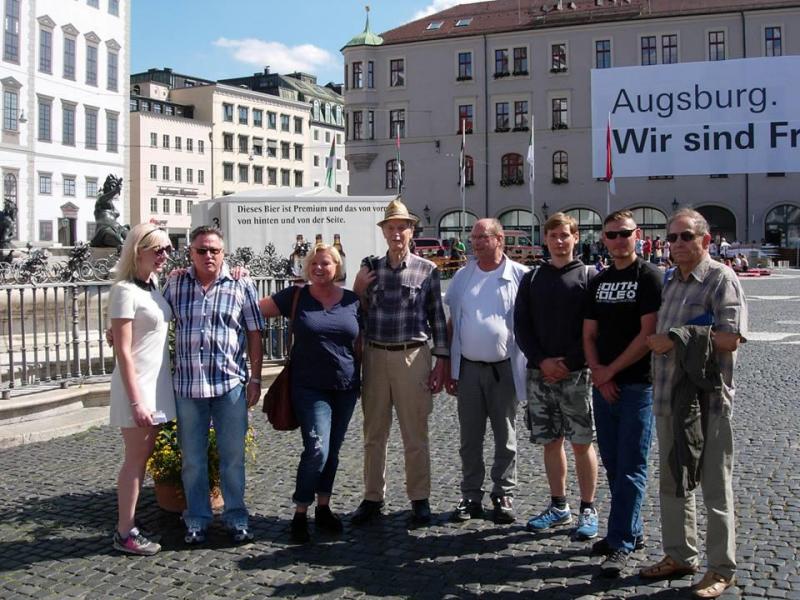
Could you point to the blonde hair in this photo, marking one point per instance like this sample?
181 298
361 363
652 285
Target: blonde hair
334 254
141 237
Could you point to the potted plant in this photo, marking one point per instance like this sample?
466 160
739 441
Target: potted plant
164 467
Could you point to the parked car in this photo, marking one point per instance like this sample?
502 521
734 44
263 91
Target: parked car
520 248
428 247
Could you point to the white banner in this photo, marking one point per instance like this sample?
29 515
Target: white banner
700 118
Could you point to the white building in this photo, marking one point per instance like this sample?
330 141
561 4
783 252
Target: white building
494 65
64 76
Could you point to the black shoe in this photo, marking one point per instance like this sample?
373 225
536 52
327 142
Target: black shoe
420 512
325 520
614 563
299 528
503 512
466 510
366 512
601 547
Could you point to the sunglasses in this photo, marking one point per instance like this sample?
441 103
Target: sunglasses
204 251
686 236
624 233
162 250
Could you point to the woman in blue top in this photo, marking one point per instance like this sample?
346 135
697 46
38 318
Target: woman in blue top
325 380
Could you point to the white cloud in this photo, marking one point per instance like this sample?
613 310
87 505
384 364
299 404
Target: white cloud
280 57
439 5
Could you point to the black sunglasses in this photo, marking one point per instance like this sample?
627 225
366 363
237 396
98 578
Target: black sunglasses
686 236
625 233
211 251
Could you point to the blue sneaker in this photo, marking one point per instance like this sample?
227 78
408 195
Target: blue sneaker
587 525
550 517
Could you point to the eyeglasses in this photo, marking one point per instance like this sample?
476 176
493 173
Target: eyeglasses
483 236
625 233
204 251
162 250
686 236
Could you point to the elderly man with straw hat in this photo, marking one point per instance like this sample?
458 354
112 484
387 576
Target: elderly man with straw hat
402 303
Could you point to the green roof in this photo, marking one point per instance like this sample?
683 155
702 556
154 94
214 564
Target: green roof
365 38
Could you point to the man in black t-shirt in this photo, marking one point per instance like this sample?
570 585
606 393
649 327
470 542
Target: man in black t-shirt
622 308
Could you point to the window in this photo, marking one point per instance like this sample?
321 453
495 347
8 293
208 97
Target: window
153 172
201 147
165 205
244 114
189 145
501 63
178 142
469 171
358 76
91 128
227 142
272 149
338 138
154 205
338 164
272 176
165 173
243 144
298 179
227 171
465 118
648 45
370 124
68 124
358 119
45 119
243 171
397 123
93 3
258 117
271 120
112 131
69 185
371 75
69 57
559 106
227 112
602 54
284 122
258 146
258 174
153 140
11 31
178 174
464 66
165 141
91 187
285 150
91 64
189 175
201 176
113 7
501 117
285 175
298 124
397 72
511 170
521 61
464 22
10 110
521 115
189 205
112 71
433 25
327 136
558 58
560 167
669 49
178 206
716 45
298 151
45 51
46 231
392 175
772 41
45 183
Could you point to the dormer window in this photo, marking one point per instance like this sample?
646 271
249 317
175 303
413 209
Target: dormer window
433 25
463 22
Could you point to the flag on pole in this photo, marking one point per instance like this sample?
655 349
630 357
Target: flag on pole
609 167
462 159
399 162
529 160
330 163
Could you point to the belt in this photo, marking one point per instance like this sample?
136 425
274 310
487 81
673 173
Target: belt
395 347
493 365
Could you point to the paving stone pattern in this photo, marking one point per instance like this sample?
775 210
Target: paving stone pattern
58 510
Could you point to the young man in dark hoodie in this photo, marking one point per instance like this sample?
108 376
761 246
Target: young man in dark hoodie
548 322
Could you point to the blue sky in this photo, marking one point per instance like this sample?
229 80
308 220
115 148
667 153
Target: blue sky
229 38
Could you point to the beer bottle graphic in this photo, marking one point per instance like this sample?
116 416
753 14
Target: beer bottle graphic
296 258
337 243
318 239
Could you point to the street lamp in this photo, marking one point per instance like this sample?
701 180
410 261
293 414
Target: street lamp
675 204
544 210
427 212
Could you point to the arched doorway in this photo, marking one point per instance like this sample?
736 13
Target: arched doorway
451 225
651 221
782 226
590 225
721 222
520 220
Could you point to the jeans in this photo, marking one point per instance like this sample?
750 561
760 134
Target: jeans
624 433
229 416
324 416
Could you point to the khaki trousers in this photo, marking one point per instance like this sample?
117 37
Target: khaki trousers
678 515
396 378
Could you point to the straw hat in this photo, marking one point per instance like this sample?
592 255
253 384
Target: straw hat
397 211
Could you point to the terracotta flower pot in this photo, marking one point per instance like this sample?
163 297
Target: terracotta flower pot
170 497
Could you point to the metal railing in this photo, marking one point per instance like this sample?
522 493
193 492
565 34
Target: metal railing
53 334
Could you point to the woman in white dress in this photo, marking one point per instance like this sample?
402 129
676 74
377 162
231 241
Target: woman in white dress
141 385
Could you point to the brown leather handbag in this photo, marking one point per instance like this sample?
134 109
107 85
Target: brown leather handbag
278 399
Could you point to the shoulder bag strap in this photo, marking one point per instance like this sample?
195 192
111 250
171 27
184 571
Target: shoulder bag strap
295 299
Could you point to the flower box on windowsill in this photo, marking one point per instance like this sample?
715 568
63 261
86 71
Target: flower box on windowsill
521 129
560 126
501 129
560 180
558 70
468 131
512 181
501 74
519 73
464 78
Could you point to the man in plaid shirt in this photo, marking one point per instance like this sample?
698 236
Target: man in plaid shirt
216 319
402 301
700 291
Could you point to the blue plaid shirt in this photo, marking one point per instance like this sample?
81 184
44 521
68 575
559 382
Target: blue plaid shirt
211 332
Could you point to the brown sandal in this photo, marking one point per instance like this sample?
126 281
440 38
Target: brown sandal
712 585
667 568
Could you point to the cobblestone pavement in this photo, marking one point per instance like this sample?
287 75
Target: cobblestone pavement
57 512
